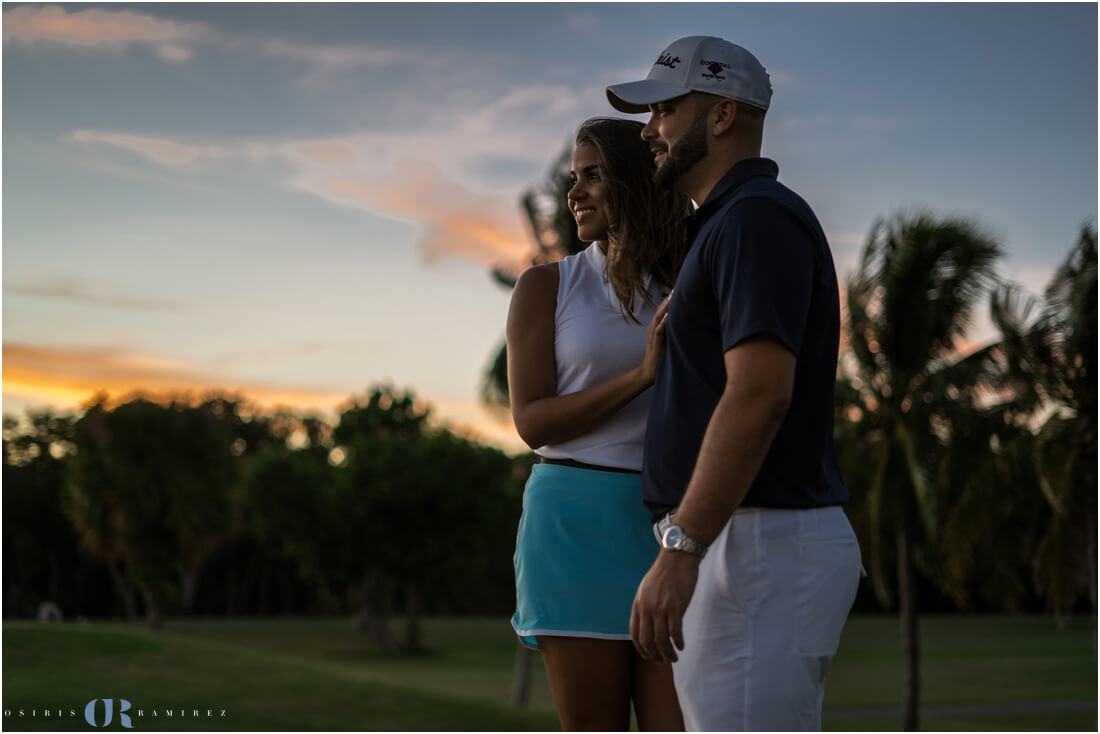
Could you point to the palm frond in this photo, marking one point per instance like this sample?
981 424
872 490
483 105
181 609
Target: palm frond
1069 326
494 381
939 273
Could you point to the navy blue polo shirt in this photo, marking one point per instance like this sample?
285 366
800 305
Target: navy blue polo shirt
759 265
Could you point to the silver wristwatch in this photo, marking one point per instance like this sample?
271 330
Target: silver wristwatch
674 539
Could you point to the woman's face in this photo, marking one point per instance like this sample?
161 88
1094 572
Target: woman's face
586 195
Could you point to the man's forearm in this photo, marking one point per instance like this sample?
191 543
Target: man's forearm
737 439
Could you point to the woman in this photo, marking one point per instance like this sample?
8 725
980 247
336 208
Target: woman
580 361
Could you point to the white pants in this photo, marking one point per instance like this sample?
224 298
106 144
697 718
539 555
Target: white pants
763 625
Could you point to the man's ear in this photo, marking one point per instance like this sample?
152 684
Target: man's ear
724 115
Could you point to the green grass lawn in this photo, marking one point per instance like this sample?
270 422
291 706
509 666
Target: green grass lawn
967 661
319 674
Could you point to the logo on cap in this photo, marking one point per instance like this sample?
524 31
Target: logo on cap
714 67
667 59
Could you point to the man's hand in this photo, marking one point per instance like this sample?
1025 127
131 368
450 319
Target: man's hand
657 619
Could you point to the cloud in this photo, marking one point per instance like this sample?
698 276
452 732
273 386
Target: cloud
91 369
66 377
173 40
456 167
426 176
527 124
174 53
158 150
308 347
457 222
52 24
65 289
326 61
333 56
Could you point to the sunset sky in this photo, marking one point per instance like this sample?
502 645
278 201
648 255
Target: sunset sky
299 201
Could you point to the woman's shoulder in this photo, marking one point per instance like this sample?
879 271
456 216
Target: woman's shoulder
539 276
537 284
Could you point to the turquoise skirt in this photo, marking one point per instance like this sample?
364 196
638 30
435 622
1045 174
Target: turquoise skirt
584 544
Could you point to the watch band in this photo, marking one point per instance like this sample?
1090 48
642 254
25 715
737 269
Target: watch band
687 545
679 541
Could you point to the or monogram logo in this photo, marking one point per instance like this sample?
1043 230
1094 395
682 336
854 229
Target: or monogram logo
108 712
667 59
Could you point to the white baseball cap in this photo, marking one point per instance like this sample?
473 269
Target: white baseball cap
697 64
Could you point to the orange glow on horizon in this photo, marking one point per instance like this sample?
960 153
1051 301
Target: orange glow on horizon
67 379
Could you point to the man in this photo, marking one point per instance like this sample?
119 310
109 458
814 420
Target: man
759 565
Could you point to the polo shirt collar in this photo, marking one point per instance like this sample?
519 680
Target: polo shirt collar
597 259
741 172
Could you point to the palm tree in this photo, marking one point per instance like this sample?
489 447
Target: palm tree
1048 358
555 233
991 510
919 282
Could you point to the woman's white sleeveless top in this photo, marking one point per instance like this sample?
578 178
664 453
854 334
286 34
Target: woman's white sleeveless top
593 342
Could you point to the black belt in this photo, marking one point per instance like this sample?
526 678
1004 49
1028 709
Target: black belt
582 465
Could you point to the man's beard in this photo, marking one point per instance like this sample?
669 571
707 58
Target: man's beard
688 151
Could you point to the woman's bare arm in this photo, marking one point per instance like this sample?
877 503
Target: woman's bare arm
541 416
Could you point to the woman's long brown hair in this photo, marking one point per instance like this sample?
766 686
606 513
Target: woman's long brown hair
647 232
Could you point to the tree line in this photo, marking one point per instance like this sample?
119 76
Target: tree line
973 478
146 509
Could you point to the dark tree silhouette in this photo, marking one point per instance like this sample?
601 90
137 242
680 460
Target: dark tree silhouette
1047 364
150 492
919 282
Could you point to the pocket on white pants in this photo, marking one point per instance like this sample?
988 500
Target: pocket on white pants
741 562
829 577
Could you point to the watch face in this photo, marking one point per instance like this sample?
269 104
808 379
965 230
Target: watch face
673 537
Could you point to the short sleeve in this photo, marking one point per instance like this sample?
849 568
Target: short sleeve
762 270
